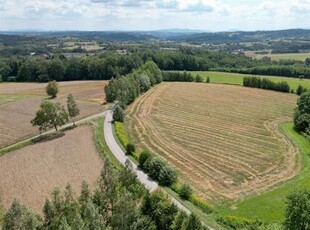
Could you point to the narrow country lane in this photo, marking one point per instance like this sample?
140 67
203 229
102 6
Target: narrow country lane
121 157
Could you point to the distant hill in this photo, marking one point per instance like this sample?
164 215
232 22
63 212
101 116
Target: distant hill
179 35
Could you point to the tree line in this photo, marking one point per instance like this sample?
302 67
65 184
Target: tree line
302 115
111 65
119 201
264 83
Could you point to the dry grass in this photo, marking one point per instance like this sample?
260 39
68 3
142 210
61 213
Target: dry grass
31 173
15 115
223 139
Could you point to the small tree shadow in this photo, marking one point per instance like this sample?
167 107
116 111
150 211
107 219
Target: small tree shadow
48 137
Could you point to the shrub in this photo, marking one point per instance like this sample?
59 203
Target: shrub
144 156
118 114
52 89
300 90
204 206
130 149
236 222
302 114
120 133
198 78
208 80
155 166
175 187
185 191
167 175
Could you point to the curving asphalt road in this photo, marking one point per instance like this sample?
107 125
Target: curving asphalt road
121 157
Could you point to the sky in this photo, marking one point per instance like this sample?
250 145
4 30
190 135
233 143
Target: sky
135 15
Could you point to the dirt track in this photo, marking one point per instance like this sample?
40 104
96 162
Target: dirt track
31 173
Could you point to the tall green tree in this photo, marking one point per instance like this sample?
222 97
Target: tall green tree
50 115
118 114
52 89
297 214
72 107
302 114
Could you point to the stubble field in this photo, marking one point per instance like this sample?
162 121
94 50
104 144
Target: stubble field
30 174
20 101
222 139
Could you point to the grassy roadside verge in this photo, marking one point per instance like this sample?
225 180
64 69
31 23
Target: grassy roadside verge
100 143
270 206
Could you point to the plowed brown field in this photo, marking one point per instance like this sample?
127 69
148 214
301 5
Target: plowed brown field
223 139
31 173
15 115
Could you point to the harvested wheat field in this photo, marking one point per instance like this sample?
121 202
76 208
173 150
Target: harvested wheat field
20 101
31 173
223 140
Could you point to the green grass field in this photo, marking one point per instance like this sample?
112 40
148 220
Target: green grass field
277 57
237 79
270 206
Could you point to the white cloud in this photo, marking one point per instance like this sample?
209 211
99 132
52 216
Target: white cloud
153 14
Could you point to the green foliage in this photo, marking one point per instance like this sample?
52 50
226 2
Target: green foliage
192 222
264 83
72 107
199 78
52 88
300 90
144 156
50 115
159 170
185 191
1 79
178 220
120 133
204 206
208 80
302 114
307 62
130 149
178 76
297 214
236 222
118 114
19 217
127 89
160 208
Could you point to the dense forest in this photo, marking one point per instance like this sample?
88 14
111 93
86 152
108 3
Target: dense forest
106 65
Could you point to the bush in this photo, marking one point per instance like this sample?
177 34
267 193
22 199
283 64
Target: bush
130 149
300 90
167 176
264 83
204 206
144 156
302 114
198 78
185 191
208 80
52 89
154 167
236 222
120 133
118 114
175 187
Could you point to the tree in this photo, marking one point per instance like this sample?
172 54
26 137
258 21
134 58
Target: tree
73 110
198 78
297 214
208 80
118 114
50 115
167 175
192 222
18 217
52 89
143 157
300 90
302 114
130 149
307 62
185 191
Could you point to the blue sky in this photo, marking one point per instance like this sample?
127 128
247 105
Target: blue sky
210 15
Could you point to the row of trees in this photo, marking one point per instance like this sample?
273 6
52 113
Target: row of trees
126 89
264 83
302 114
272 70
118 202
